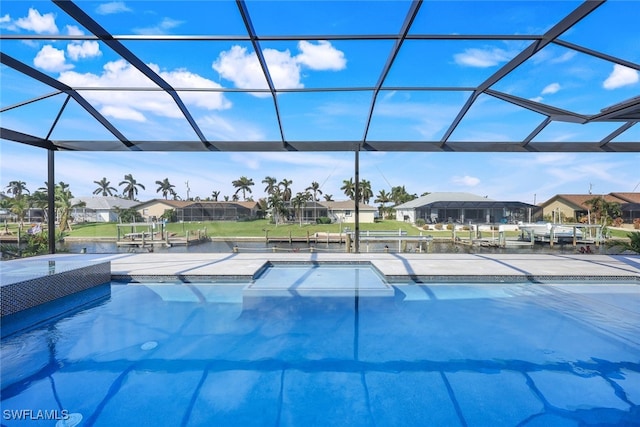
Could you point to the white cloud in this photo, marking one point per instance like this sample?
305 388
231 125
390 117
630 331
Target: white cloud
387 96
585 172
283 68
552 56
73 30
163 27
41 24
121 74
565 57
112 7
182 78
218 128
550 89
51 59
86 49
321 56
300 167
243 68
554 159
537 99
430 120
470 181
123 113
621 76
481 58
7 23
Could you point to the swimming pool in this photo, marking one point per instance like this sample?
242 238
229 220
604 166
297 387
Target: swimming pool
189 354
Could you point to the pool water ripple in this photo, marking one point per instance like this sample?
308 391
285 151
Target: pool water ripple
428 354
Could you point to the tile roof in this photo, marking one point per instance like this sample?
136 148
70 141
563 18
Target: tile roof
579 200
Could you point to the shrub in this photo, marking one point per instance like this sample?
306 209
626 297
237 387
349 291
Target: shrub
636 223
632 245
450 226
323 220
420 222
438 226
130 215
618 222
170 215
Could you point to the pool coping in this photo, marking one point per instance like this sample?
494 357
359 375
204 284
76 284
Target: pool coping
395 268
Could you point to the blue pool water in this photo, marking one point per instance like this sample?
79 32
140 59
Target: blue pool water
290 350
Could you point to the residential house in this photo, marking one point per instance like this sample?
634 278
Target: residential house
99 208
153 209
572 207
344 211
461 208
307 213
217 211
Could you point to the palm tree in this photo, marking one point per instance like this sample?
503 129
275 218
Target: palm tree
6 203
263 207
215 195
382 198
277 205
365 191
40 199
601 210
243 184
166 188
286 190
130 189
17 188
349 188
315 188
328 197
299 202
19 207
399 195
104 188
64 205
271 184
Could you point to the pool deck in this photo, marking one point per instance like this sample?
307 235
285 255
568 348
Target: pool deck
395 266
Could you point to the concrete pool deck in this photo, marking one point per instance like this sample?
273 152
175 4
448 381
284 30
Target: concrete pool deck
395 266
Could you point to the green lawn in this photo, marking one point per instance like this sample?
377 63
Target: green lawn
259 228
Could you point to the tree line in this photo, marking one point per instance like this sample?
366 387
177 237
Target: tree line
244 186
279 195
23 200
278 199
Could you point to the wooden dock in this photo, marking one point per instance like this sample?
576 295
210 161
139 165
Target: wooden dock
309 239
155 235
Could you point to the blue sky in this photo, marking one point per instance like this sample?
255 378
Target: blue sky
557 75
